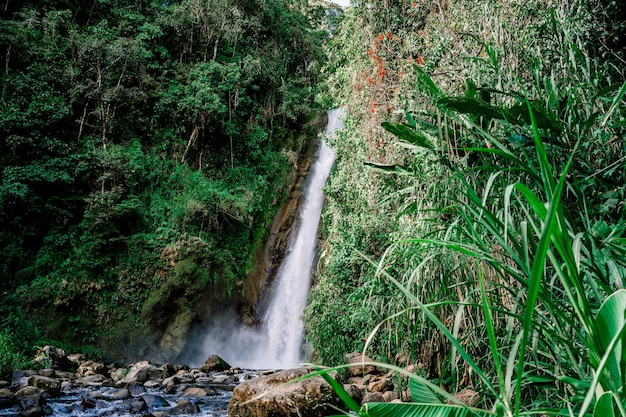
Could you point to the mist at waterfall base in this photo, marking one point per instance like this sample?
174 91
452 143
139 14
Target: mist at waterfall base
278 342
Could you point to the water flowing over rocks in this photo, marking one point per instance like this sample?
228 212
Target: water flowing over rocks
94 389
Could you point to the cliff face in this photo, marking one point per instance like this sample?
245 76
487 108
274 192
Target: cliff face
186 303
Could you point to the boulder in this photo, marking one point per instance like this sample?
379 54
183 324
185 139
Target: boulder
154 401
51 386
137 375
35 411
198 392
91 380
390 396
138 406
354 392
358 359
122 394
20 377
468 397
53 357
149 384
184 407
29 397
214 363
381 385
7 398
373 397
135 388
271 396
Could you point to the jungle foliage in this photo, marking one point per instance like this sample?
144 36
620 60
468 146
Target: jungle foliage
475 227
134 135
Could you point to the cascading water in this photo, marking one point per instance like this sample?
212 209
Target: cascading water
279 341
282 324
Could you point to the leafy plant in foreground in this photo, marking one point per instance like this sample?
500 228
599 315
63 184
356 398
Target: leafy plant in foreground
566 330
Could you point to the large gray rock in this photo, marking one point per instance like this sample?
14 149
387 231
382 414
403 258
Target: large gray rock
359 360
51 386
29 397
214 363
271 396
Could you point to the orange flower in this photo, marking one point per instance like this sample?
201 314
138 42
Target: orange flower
420 60
389 35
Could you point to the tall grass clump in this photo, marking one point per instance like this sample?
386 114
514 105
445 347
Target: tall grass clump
509 257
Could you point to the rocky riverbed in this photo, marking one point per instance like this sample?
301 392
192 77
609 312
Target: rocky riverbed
71 385
74 386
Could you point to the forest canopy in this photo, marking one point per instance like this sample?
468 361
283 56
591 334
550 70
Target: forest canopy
135 135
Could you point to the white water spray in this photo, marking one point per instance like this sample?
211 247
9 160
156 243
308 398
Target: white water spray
279 341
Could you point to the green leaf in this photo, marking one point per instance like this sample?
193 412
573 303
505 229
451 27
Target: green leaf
419 410
473 106
609 322
338 388
389 168
616 101
421 393
604 406
409 135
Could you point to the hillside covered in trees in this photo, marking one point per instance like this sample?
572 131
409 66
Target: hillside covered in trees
145 147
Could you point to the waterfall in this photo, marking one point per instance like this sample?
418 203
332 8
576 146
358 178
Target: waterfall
282 324
278 343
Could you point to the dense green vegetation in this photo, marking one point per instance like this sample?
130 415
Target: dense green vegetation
475 227
142 146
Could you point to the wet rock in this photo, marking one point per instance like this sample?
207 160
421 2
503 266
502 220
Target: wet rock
122 394
53 357
468 397
7 398
51 386
381 385
76 358
117 375
88 368
198 392
29 397
91 380
135 388
90 400
154 401
35 411
354 392
358 359
20 377
269 396
214 363
151 384
390 396
157 414
138 406
373 397
168 368
184 407
157 374
137 375
50 373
